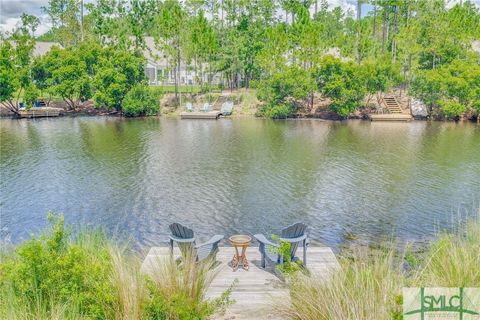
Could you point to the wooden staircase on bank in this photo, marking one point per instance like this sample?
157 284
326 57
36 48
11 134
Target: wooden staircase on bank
393 111
391 104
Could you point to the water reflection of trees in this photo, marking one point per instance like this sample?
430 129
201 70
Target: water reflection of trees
116 145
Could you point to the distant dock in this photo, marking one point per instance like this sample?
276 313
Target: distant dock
257 289
391 117
39 112
200 115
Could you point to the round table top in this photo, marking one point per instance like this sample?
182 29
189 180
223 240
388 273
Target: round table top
240 239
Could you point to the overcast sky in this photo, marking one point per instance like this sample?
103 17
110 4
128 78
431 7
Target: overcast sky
11 10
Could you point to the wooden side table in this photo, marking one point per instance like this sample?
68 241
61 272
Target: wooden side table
240 241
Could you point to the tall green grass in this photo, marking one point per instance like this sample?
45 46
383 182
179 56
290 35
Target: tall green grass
60 276
370 281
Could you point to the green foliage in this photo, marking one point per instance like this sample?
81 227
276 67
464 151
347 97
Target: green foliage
57 275
343 83
110 88
284 250
140 101
452 259
64 17
49 268
177 289
78 74
379 76
31 95
118 72
69 78
452 108
15 64
453 87
182 306
8 81
279 111
284 91
63 73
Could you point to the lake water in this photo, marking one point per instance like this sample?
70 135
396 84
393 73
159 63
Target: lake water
346 180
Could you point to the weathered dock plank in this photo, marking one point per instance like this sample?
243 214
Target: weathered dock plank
257 289
200 115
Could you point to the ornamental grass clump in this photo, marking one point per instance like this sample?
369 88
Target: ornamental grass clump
369 283
452 260
367 287
179 288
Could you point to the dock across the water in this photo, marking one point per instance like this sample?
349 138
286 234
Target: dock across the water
391 117
40 112
257 289
200 115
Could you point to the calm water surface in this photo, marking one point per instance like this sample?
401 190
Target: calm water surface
134 177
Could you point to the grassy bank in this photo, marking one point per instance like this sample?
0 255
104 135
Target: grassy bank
56 275
245 101
369 284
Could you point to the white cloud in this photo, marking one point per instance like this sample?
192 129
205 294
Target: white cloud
9 25
344 4
11 10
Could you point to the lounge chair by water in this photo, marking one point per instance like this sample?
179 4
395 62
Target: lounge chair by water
294 234
189 106
206 107
186 241
227 108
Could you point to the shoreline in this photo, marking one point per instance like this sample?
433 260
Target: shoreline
176 114
246 105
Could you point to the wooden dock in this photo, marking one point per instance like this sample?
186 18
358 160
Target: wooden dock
200 115
391 117
257 289
39 112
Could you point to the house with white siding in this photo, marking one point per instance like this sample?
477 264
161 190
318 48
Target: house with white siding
159 71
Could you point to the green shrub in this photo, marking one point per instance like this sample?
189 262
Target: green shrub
281 111
284 91
453 87
140 101
31 95
49 270
452 108
343 83
117 73
284 250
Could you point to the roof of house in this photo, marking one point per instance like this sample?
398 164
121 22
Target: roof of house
41 47
152 54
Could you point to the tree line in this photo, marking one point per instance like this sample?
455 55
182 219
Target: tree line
290 50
